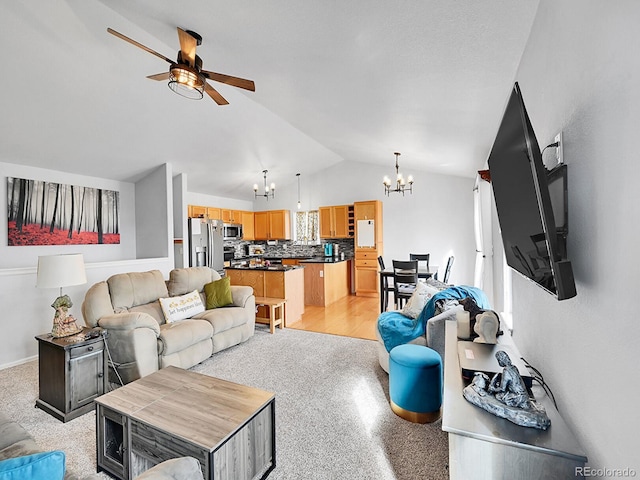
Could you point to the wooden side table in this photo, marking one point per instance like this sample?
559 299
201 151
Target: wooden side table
72 373
276 312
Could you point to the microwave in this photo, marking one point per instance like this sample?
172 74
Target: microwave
232 231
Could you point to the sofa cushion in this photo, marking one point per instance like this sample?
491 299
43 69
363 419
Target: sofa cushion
218 293
136 288
175 337
154 309
185 280
223 319
39 466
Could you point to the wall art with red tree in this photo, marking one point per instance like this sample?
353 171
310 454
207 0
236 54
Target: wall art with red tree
47 213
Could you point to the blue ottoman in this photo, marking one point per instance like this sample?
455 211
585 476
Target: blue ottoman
415 383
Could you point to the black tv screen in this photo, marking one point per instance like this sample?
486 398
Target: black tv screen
533 245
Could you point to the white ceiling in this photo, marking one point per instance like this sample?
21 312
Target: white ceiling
335 81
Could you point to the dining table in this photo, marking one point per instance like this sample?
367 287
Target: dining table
387 273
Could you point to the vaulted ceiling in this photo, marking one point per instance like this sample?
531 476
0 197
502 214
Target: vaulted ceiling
335 81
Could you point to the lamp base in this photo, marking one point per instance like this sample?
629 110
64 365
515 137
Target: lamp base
65 329
64 324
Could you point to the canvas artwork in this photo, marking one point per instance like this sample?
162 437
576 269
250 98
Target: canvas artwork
47 213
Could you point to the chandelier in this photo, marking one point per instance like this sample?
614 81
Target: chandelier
401 185
299 204
269 191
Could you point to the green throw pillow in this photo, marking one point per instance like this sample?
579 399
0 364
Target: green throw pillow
218 293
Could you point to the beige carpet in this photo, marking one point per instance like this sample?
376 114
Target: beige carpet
333 420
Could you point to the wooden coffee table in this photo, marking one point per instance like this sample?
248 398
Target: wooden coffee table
228 427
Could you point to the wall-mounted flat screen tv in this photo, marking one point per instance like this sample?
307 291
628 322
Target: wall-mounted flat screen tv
534 243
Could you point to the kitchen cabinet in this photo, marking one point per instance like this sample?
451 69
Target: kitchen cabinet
213 213
272 225
288 284
336 221
325 283
368 246
231 216
197 211
248 228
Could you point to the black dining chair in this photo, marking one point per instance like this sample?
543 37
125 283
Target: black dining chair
405 280
422 258
447 270
387 286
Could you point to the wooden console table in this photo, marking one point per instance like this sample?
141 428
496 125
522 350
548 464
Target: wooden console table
483 446
229 428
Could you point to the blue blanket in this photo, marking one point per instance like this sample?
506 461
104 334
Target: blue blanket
396 329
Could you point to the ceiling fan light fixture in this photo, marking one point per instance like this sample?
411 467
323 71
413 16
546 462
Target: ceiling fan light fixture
186 81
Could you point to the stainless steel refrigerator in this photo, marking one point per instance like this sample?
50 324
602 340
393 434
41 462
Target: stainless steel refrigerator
206 247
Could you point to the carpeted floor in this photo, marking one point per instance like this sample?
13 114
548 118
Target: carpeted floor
333 419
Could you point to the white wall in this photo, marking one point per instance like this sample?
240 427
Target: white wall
579 74
437 218
154 214
26 310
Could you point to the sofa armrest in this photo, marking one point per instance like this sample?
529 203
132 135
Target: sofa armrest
240 295
132 343
129 321
436 329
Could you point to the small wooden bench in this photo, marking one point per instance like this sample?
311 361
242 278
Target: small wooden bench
276 312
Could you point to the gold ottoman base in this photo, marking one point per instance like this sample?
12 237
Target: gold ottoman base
415 417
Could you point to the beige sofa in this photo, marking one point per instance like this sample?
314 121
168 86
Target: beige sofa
141 342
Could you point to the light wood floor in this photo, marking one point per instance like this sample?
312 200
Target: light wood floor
350 316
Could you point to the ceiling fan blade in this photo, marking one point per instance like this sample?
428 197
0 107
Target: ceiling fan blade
229 80
188 46
159 76
213 93
139 45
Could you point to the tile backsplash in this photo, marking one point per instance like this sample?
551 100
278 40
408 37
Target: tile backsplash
288 248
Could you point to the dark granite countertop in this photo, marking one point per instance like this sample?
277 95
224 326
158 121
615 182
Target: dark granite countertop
274 268
325 260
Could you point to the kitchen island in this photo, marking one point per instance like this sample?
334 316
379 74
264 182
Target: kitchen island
277 281
326 280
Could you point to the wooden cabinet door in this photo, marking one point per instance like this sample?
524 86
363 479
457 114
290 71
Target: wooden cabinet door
341 221
365 210
326 224
261 225
213 213
198 211
226 215
279 225
248 227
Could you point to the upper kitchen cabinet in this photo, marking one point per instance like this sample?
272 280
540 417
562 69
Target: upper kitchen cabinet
196 211
336 221
231 216
248 226
272 225
214 213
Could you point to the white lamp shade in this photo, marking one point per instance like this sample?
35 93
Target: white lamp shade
57 271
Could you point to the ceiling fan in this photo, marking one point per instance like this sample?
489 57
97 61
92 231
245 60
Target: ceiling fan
185 75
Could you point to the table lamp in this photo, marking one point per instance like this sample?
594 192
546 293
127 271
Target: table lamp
57 271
